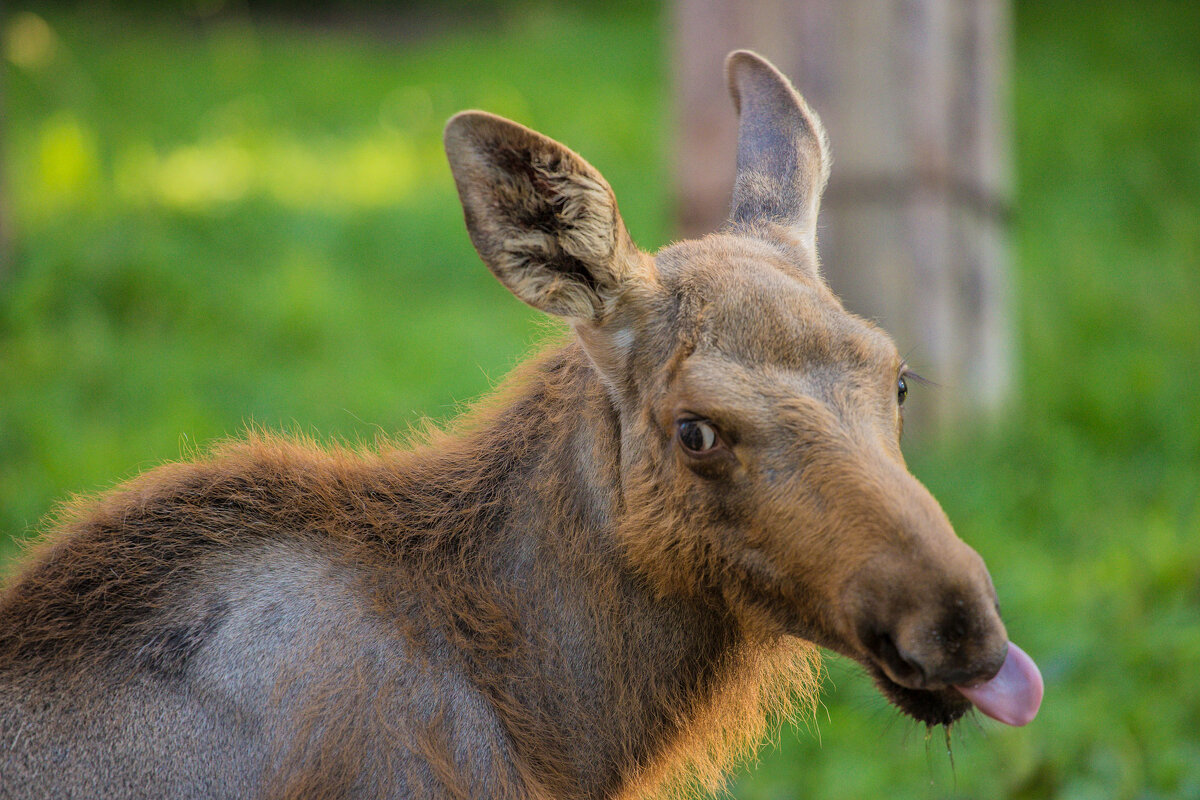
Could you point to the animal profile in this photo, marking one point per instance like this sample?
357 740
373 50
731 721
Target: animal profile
598 583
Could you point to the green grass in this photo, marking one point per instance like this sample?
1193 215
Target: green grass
323 279
229 223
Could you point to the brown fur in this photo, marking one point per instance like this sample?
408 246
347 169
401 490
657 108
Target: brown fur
552 598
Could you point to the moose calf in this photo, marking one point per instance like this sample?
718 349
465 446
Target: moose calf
598 582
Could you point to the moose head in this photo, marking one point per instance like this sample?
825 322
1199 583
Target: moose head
759 421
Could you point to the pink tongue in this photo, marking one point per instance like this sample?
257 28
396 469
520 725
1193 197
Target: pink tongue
1014 695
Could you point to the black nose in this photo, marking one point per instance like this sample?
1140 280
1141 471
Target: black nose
932 665
954 644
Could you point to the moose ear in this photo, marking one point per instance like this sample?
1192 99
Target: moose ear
543 220
783 155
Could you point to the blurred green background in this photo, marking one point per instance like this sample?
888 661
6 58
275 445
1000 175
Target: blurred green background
223 219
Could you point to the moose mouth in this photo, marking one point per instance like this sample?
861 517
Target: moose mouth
1012 696
931 706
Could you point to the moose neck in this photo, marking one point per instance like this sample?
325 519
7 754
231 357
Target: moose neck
570 643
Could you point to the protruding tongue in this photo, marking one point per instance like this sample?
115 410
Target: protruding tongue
1014 695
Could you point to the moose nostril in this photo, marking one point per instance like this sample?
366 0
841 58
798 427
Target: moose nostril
902 668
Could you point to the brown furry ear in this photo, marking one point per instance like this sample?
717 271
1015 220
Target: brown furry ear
543 220
783 154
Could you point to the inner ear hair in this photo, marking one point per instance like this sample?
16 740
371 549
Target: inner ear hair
543 220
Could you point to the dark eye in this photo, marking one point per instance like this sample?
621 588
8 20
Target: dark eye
901 390
697 436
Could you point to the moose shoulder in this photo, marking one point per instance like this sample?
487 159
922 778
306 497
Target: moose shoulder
601 579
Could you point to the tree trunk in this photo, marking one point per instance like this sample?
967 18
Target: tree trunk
913 229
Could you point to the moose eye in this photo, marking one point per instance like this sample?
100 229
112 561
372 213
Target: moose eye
697 436
901 390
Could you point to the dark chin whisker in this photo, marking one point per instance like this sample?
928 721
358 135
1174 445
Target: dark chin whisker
942 707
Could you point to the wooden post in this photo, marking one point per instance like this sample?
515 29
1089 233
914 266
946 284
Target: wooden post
913 230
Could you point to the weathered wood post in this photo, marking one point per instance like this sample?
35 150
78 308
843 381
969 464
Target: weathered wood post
913 229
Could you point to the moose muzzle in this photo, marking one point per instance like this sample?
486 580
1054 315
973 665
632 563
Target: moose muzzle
929 629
